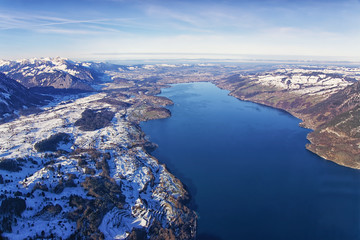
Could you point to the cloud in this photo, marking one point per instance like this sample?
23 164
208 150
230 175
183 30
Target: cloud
50 24
155 11
67 31
296 33
205 19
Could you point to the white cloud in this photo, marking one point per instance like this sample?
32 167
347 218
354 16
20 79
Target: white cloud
67 31
50 24
206 18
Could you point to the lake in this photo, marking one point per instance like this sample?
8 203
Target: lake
248 171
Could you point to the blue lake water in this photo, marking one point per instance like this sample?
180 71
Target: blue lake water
248 171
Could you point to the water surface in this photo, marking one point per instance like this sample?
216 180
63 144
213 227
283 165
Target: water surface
248 171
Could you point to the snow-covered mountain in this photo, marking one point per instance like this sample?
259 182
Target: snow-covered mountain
14 96
45 72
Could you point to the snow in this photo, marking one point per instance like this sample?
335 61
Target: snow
166 65
149 67
40 66
118 223
205 65
305 81
4 62
140 175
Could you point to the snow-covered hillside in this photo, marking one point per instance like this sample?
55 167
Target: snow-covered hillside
55 185
306 80
14 96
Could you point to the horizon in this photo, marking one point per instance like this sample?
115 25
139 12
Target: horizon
195 58
138 29
214 59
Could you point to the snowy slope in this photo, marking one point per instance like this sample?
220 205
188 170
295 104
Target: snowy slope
44 72
150 192
306 80
14 96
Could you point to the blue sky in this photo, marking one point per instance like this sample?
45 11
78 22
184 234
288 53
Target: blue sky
119 29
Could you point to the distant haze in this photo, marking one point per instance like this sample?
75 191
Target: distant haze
159 29
216 58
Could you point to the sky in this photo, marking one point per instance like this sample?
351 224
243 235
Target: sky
121 29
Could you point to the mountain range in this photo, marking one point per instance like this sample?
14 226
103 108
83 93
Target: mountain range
24 81
54 72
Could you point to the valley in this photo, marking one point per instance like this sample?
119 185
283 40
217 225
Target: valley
81 167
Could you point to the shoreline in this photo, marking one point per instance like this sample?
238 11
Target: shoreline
302 124
158 128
